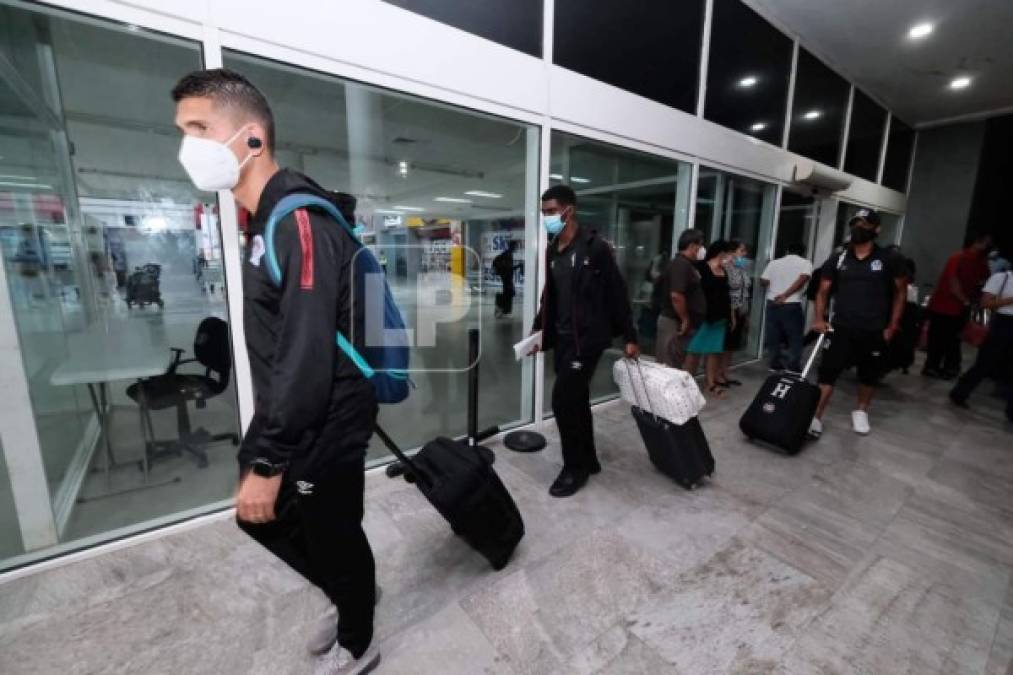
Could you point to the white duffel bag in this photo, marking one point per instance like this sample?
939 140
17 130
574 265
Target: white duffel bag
663 391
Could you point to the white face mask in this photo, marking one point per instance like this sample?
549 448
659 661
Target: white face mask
210 164
701 254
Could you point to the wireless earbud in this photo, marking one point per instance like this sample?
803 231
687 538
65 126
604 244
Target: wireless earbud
254 142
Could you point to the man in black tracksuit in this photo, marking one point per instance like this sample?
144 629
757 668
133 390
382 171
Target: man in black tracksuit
584 305
302 457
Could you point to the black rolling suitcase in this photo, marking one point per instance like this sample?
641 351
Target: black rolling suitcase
784 408
680 451
458 479
460 482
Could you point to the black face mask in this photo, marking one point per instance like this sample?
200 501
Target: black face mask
862 235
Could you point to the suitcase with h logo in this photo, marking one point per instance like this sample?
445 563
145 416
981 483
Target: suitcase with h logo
783 408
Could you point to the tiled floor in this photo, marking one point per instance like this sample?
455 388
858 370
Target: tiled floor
884 554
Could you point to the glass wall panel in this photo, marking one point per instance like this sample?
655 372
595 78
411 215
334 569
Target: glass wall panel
796 223
865 137
441 192
651 47
734 207
514 23
112 259
818 110
898 155
636 202
748 72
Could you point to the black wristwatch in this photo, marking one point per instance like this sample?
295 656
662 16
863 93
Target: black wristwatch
266 469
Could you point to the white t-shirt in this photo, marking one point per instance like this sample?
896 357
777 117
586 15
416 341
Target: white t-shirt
994 287
783 272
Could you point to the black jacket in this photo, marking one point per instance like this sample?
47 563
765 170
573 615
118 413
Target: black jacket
300 377
601 303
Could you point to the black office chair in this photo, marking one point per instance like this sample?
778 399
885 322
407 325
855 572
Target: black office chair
175 389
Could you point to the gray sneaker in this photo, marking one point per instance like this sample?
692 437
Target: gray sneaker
326 633
339 661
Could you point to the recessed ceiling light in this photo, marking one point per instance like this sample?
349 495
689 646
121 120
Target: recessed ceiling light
747 82
759 126
556 176
133 28
40 186
480 193
408 208
402 168
578 179
452 200
813 115
920 30
962 82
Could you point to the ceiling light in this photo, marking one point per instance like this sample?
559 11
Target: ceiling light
402 168
747 82
578 179
452 200
480 193
962 82
759 126
13 177
919 31
392 212
813 115
133 28
556 176
408 208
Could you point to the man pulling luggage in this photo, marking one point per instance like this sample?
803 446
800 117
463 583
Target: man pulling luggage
869 286
584 305
302 459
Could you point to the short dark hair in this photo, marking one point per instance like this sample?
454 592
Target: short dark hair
794 248
717 247
563 194
228 88
690 237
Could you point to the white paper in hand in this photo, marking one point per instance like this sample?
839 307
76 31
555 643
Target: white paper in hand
524 347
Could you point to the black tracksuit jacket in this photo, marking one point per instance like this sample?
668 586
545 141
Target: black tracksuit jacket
600 302
309 396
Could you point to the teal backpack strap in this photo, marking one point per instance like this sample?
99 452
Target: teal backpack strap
283 208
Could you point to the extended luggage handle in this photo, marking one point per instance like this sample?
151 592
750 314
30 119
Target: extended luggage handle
647 394
815 353
411 468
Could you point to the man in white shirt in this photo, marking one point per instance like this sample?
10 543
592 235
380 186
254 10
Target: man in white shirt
785 278
993 356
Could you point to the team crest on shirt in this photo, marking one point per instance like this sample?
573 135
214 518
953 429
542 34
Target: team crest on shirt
877 265
257 250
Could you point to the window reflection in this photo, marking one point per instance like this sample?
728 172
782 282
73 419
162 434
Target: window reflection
818 110
747 73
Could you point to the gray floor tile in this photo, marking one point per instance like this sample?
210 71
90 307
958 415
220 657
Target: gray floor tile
740 607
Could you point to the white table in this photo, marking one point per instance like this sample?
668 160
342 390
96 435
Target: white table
108 352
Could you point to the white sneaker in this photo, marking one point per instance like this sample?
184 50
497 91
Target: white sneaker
816 428
860 422
339 661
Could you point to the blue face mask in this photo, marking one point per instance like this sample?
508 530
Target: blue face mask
742 262
553 224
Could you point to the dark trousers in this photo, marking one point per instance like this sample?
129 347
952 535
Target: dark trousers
571 404
944 341
993 361
785 325
318 526
505 299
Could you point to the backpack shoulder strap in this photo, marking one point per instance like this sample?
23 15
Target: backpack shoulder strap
287 205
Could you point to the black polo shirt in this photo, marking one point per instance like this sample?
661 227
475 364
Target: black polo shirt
864 289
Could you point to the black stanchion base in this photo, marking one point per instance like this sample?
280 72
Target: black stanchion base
524 441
